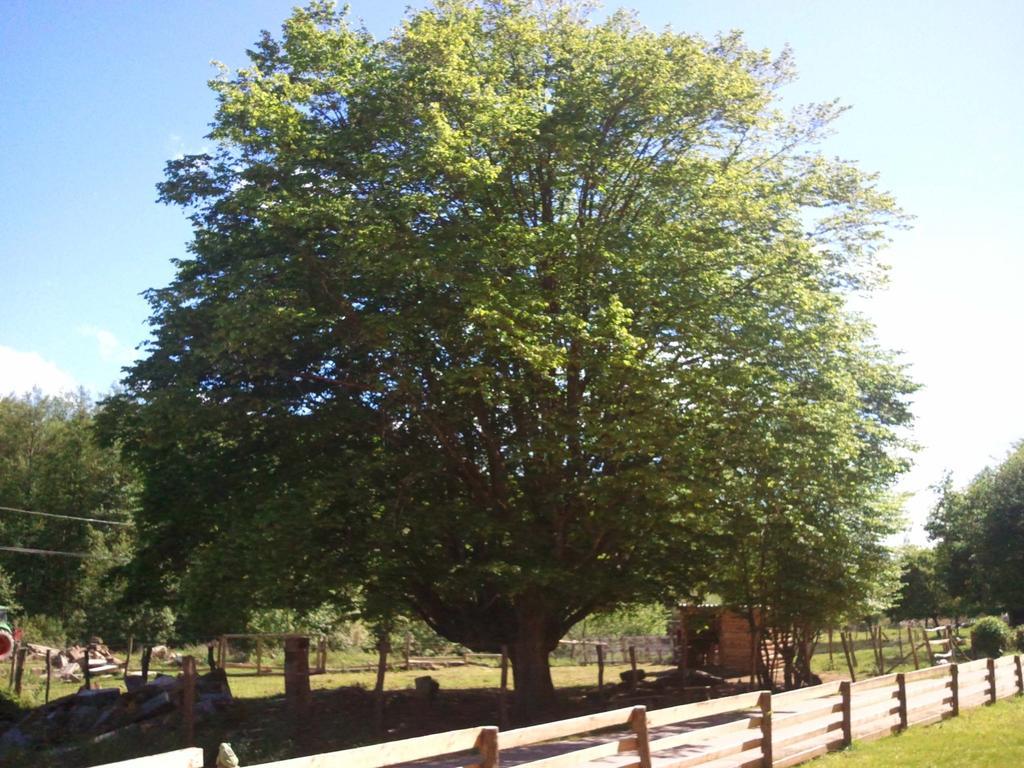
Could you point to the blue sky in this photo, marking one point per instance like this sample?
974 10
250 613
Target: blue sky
96 96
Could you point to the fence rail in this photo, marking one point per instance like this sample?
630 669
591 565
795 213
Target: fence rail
755 728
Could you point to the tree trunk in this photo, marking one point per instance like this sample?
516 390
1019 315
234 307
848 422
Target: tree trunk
531 670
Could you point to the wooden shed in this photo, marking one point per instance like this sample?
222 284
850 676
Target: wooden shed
714 636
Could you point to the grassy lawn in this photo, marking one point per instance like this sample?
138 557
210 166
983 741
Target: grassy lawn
982 737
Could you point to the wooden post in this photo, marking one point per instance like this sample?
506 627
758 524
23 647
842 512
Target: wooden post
764 701
147 653
846 652
954 686
259 657
638 724
296 683
188 697
600 667
847 694
128 656
928 647
853 650
831 661
632 666
383 646
992 681
87 667
901 692
46 698
503 690
14 663
913 648
1020 675
22 654
487 746
684 652
899 639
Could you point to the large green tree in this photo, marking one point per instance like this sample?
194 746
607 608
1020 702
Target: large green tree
472 313
979 533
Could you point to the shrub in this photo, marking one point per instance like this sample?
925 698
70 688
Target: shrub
1018 638
991 637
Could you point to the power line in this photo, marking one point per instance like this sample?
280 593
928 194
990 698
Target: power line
30 551
64 517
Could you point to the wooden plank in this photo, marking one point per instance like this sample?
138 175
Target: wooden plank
388 753
808 754
704 735
881 733
580 756
818 713
684 712
717 753
803 694
927 688
534 734
971 666
869 715
931 719
875 682
928 673
180 758
806 734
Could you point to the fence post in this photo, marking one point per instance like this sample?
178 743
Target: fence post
503 691
764 701
848 653
992 681
913 648
22 654
847 694
487 746
128 656
954 680
632 665
188 697
901 688
928 646
638 724
600 667
1020 675
46 699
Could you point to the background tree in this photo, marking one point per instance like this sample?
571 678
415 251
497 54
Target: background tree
469 310
50 461
980 539
922 594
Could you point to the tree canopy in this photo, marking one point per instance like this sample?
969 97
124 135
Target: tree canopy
50 462
979 533
509 316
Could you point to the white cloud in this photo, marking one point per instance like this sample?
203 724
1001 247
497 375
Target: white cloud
110 349
20 372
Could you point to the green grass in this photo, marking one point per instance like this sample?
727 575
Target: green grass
979 738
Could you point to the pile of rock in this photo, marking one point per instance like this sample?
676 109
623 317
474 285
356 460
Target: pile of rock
67 663
102 711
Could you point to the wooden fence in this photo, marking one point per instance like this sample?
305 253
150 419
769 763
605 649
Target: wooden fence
181 758
750 729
